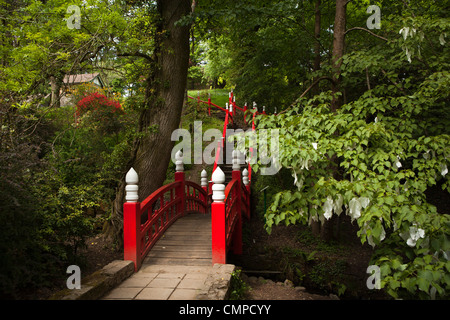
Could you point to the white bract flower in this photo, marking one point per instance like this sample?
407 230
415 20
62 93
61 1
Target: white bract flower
313 217
304 164
355 206
370 238
364 201
408 55
337 205
404 32
314 144
444 169
328 208
412 235
298 182
441 39
398 164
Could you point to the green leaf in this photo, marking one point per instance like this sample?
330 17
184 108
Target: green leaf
423 284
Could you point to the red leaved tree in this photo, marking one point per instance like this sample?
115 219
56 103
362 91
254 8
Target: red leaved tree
99 112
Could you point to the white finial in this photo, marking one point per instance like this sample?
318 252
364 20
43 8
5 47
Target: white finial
275 110
131 189
226 105
204 179
235 161
179 167
218 188
264 108
231 108
245 177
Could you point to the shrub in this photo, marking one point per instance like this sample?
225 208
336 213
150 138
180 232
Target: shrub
98 111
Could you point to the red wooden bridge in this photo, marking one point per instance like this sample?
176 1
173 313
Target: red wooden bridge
216 211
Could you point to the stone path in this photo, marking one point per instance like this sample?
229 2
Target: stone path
163 282
178 267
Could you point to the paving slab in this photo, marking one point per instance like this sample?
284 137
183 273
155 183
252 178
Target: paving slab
154 294
184 294
133 282
121 293
164 283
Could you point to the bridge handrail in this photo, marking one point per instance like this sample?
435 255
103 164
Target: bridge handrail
221 143
145 222
196 201
208 103
232 208
160 218
245 200
230 204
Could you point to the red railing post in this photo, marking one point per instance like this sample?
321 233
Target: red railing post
131 220
204 184
246 183
219 247
245 109
237 233
209 104
234 106
180 192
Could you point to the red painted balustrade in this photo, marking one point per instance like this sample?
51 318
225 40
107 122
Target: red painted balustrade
145 222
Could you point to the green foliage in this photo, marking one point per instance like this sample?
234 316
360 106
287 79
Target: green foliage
376 156
385 162
326 275
64 224
238 286
57 177
260 48
55 194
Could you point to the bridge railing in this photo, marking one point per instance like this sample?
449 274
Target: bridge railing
233 107
145 222
230 114
230 204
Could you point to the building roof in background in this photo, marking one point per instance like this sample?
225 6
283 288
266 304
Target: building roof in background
80 78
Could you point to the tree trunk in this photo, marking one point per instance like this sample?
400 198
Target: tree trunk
338 49
317 45
162 106
315 225
326 232
55 86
